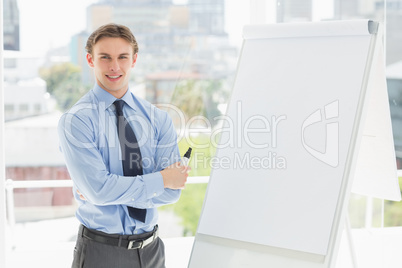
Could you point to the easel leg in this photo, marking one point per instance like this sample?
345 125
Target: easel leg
350 240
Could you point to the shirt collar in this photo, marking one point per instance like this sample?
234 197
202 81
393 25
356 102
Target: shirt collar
108 99
129 99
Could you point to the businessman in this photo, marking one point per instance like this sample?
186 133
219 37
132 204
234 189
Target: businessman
122 155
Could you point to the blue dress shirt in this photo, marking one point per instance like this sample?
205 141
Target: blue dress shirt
90 145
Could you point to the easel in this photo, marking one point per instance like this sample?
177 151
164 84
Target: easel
338 65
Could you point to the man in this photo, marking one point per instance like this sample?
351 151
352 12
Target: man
118 211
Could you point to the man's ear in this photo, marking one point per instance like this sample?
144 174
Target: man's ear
134 60
90 60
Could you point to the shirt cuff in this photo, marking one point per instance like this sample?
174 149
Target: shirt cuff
153 184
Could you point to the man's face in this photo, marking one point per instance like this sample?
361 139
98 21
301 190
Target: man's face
112 61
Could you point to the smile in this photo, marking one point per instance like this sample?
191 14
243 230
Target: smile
113 76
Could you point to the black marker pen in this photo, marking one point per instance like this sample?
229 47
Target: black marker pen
186 157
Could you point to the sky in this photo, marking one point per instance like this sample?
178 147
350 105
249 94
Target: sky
48 24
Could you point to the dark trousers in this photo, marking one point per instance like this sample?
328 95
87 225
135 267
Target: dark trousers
92 254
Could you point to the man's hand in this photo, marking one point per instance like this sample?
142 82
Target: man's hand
175 176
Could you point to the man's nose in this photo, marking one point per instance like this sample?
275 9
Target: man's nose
114 66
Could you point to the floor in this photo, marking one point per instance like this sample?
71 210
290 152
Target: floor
34 245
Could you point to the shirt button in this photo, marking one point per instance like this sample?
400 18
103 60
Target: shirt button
154 194
135 232
132 199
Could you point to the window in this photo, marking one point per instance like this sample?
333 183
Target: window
187 62
8 109
10 63
37 108
23 108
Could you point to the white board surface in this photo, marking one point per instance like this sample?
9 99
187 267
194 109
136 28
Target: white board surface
286 148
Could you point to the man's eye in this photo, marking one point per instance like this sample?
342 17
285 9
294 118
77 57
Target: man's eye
104 57
123 57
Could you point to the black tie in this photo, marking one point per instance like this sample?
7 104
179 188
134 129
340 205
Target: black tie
131 154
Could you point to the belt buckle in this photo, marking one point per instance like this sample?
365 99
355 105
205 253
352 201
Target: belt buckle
135 244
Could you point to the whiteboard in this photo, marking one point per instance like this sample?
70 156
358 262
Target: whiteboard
284 165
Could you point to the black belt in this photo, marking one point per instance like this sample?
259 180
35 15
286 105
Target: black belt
120 241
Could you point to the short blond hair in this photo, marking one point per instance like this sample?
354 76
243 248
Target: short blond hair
111 30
